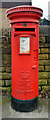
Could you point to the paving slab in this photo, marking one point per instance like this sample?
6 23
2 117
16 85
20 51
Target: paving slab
9 112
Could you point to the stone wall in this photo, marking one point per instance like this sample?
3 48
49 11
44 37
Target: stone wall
5 57
44 62
5 67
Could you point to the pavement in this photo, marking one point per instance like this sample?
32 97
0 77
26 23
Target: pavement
9 112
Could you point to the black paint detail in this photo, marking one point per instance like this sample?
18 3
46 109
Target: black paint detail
24 105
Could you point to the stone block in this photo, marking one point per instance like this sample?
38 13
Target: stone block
45 50
6 32
48 94
45 88
6 59
44 62
0 76
8 69
6 51
1 83
41 68
4 62
44 45
5 41
0 69
6 46
4 89
43 56
49 45
43 82
48 74
43 75
48 56
5 69
48 88
47 68
5 76
8 82
39 50
42 39
48 81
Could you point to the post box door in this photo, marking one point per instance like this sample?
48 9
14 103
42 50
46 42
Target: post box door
25 69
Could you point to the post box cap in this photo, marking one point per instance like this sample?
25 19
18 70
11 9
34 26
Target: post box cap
24 10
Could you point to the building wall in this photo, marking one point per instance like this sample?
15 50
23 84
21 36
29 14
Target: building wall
4 22
5 57
49 10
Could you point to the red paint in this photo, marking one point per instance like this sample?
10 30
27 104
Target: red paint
25 66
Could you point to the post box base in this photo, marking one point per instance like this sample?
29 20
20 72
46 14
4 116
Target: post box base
24 105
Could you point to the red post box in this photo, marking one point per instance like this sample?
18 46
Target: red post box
25 56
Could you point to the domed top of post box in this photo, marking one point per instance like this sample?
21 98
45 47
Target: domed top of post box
26 13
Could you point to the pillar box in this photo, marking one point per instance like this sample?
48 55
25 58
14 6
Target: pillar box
25 56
